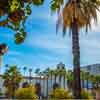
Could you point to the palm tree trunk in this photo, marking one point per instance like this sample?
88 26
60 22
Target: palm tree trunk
60 80
82 83
64 82
76 60
47 86
55 79
87 84
44 85
82 79
51 80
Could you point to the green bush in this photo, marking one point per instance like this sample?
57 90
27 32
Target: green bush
26 93
1 93
86 95
59 94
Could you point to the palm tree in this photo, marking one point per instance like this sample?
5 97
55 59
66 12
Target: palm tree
51 74
97 81
40 77
44 79
37 71
93 80
47 74
62 73
12 77
55 75
30 75
76 15
64 76
87 75
60 76
24 69
82 78
6 66
69 76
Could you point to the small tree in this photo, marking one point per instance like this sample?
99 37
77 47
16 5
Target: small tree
12 77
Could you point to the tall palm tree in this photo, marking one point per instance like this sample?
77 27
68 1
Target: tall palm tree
76 14
44 80
55 75
64 77
82 78
87 76
93 80
40 77
37 71
97 81
59 75
6 66
69 76
24 69
47 74
30 75
51 74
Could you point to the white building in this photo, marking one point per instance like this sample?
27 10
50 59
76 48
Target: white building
92 69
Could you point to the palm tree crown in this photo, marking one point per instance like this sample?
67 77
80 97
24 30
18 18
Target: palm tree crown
84 11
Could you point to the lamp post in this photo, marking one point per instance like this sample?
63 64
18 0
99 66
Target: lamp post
3 50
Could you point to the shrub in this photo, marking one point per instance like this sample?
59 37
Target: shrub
60 93
26 93
1 93
86 95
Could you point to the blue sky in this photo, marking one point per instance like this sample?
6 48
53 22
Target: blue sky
43 48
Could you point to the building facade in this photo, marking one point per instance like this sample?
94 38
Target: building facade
92 69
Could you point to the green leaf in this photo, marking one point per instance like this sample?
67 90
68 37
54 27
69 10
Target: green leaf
21 30
38 2
28 9
19 38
